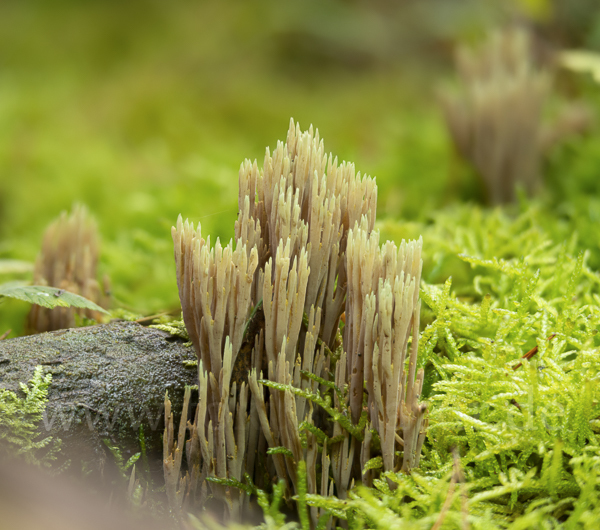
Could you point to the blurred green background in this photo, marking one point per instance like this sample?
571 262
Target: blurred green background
144 110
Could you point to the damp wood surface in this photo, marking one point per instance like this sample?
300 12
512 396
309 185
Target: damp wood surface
107 380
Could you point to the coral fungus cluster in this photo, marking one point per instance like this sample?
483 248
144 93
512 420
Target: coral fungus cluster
68 260
495 122
331 396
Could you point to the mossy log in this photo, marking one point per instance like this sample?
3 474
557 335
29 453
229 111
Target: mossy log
108 383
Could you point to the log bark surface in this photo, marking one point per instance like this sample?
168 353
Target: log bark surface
107 381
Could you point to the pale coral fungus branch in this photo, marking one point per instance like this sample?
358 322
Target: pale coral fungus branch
175 485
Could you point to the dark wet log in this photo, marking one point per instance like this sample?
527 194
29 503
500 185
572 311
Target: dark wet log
107 381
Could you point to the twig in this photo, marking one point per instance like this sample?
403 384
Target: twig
528 356
447 503
531 353
151 317
457 476
5 334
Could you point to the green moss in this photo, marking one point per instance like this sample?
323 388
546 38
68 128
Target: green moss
19 419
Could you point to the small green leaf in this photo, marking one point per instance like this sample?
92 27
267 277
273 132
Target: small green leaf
49 297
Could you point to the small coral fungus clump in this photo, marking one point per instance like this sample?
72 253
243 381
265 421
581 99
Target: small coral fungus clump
325 404
68 260
496 121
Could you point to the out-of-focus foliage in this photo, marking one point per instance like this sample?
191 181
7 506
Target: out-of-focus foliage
144 111
582 61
